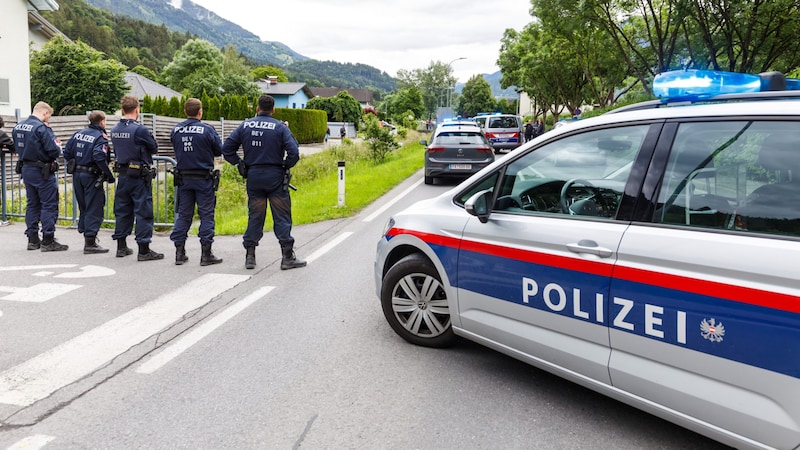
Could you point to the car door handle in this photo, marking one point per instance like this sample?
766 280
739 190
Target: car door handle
591 247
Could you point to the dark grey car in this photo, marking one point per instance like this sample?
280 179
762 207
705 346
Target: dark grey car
456 153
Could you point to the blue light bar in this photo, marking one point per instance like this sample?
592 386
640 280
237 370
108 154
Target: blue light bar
685 83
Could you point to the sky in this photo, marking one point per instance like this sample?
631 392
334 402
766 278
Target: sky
388 34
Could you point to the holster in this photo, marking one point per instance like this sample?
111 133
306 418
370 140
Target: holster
71 163
177 177
18 167
49 169
216 177
242 168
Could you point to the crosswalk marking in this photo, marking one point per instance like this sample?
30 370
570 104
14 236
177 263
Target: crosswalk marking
34 442
38 293
44 374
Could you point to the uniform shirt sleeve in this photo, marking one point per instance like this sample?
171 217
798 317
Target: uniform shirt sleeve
69 149
231 146
291 149
51 146
214 141
144 138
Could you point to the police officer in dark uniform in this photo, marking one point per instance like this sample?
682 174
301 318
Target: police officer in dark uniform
270 151
134 147
87 159
38 148
195 144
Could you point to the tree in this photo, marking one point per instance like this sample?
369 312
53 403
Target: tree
196 66
264 72
476 97
341 108
74 78
397 105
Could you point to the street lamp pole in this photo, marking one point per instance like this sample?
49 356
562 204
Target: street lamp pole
448 73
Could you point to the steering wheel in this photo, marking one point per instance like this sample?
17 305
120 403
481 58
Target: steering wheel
596 194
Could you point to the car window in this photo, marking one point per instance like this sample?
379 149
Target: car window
734 175
456 138
503 122
580 175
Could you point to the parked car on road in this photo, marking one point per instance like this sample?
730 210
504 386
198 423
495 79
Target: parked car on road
647 254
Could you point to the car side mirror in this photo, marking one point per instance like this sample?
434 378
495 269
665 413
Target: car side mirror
423 143
478 205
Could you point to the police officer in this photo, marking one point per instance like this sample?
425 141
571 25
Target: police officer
195 144
87 159
270 151
38 148
134 147
6 143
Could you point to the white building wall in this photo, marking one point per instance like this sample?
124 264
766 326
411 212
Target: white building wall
14 46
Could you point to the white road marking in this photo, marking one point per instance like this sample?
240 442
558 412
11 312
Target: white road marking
88 272
327 247
38 293
198 333
42 375
39 267
388 204
34 442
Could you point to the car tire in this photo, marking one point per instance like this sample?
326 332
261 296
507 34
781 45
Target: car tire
428 180
415 303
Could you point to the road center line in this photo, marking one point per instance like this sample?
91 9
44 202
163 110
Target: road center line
329 246
194 336
44 374
391 202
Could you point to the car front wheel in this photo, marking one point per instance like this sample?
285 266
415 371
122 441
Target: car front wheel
415 303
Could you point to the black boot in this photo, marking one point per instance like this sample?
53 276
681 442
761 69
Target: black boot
91 246
122 248
207 258
250 258
49 244
34 243
145 254
180 254
289 260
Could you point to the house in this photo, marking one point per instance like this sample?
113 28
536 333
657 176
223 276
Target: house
21 27
141 86
364 96
286 95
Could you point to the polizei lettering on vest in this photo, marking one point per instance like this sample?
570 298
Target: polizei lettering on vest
263 125
556 298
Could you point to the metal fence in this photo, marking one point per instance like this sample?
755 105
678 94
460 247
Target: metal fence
13 194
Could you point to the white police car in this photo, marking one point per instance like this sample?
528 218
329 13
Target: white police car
650 254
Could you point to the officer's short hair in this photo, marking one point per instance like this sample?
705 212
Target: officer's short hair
192 107
266 103
42 107
129 104
96 116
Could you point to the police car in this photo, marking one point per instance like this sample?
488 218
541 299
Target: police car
649 254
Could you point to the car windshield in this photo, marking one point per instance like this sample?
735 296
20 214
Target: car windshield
503 122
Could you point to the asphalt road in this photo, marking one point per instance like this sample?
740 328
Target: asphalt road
98 352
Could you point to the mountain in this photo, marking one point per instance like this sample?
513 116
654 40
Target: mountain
195 19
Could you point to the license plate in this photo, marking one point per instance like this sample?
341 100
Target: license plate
461 166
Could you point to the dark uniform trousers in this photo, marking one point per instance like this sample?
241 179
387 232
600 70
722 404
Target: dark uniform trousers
133 199
42 197
91 201
201 192
266 183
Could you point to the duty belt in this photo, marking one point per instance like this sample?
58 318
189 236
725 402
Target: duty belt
196 174
39 164
90 169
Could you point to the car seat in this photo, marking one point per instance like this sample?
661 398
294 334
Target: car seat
775 207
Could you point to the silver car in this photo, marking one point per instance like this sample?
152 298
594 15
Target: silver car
649 255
